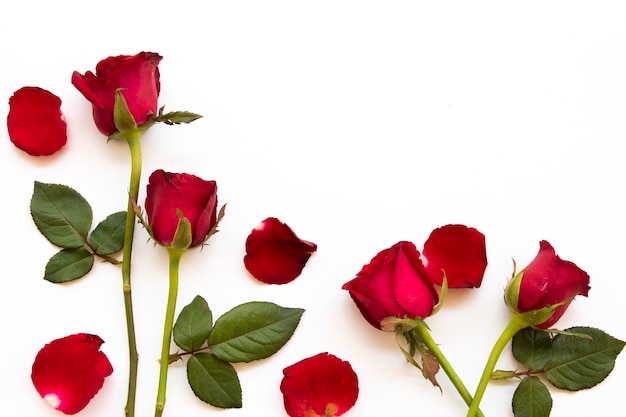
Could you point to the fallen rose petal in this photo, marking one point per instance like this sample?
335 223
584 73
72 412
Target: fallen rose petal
68 372
320 386
35 122
460 252
274 254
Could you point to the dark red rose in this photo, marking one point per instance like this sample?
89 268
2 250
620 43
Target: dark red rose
394 283
460 252
547 281
320 386
68 372
168 194
274 254
137 76
35 122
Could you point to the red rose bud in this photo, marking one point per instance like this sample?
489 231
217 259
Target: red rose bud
178 201
542 291
459 252
138 78
35 122
69 372
394 283
274 254
320 386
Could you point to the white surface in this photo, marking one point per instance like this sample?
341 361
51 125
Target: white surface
358 123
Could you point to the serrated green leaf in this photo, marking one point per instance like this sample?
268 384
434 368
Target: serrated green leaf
108 236
252 331
68 265
532 348
193 325
177 117
532 399
214 381
578 363
61 214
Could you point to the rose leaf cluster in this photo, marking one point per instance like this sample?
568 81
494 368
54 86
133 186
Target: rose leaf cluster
64 217
248 332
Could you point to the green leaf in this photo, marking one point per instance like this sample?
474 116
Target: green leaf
108 236
193 325
252 331
68 265
578 363
214 381
177 117
532 399
532 348
61 214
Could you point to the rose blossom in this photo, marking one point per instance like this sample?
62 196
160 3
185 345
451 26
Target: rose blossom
394 283
543 290
320 386
274 254
68 372
169 194
138 78
35 122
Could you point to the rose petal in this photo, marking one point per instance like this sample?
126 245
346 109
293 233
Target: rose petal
35 122
274 254
68 372
322 385
460 252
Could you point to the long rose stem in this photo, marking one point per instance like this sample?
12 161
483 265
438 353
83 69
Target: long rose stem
133 139
174 258
516 323
425 336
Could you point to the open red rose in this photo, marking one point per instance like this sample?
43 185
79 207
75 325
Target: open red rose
320 386
394 283
68 372
137 76
35 122
274 254
546 282
169 194
460 252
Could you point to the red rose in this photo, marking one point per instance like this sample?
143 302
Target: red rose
322 385
35 122
459 252
137 76
394 283
169 195
275 254
543 290
68 372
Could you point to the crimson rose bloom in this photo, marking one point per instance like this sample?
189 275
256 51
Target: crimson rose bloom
137 76
394 283
320 386
274 254
546 281
68 372
169 194
35 122
460 252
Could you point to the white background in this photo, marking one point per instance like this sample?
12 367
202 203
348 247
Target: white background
359 124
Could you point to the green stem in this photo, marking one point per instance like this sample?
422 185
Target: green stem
516 323
425 336
133 139
174 257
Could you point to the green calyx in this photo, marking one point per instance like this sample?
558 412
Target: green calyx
183 236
